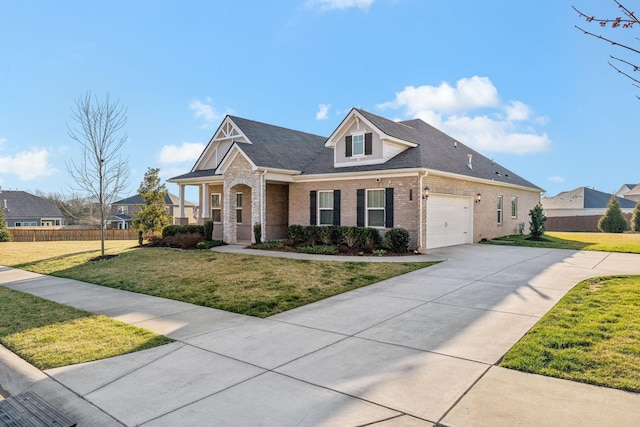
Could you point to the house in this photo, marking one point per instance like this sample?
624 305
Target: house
122 210
624 190
370 172
22 209
580 209
633 193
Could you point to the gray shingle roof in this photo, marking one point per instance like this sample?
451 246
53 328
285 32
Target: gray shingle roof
170 199
583 198
21 204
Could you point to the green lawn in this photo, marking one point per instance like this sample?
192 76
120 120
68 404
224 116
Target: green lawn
253 285
49 335
592 335
608 242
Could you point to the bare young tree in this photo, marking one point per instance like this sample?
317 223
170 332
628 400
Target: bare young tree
627 21
100 172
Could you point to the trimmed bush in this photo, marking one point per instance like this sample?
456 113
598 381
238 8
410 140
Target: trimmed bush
208 244
173 230
314 235
183 240
208 230
369 238
320 250
350 236
257 232
397 239
296 233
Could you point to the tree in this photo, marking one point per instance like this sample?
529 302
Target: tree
100 172
622 22
613 221
635 218
536 225
5 236
153 215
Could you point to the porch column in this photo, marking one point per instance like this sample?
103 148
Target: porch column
229 227
206 211
181 206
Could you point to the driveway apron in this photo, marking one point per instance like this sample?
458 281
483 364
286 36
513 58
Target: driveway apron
415 350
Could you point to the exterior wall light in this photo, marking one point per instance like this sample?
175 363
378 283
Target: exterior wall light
478 198
425 193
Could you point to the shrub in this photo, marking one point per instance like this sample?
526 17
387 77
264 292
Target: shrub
369 238
296 233
269 244
350 236
208 244
313 234
613 221
320 250
635 218
208 230
183 240
397 239
536 225
173 230
5 235
257 232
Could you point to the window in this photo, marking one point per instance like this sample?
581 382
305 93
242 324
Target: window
239 208
514 207
18 224
375 208
499 206
216 211
123 210
358 145
325 207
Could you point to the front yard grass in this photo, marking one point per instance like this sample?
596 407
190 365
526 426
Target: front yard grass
50 335
253 285
592 335
607 242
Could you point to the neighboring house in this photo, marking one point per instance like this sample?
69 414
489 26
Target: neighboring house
633 194
580 209
624 190
22 209
371 172
122 210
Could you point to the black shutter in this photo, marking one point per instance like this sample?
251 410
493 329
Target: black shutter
336 207
388 207
348 146
313 197
368 143
360 207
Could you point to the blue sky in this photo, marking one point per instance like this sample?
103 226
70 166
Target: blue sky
515 80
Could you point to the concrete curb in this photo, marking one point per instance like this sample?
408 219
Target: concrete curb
18 376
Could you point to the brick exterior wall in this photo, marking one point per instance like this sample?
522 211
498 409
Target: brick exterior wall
276 217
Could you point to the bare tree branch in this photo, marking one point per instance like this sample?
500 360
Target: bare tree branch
100 172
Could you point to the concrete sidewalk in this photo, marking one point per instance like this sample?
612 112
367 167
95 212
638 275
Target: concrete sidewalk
413 350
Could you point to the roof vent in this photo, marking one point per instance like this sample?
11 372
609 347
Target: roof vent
5 204
469 164
455 144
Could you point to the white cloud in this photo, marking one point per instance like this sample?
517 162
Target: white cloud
556 179
187 151
27 164
323 111
339 4
205 111
473 113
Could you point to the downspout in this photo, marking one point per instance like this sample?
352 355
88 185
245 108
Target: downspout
262 203
422 244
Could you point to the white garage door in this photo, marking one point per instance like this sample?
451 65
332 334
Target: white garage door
449 221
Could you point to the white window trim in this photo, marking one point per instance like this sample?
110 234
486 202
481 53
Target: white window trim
320 209
514 199
239 208
500 209
218 208
367 208
353 144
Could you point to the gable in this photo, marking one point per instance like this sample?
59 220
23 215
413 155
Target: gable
220 144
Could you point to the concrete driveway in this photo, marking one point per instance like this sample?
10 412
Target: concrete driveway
415 350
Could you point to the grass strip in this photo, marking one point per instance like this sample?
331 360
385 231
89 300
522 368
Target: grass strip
50 335
592 335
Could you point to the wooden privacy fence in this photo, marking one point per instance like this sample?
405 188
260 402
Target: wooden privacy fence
576 223
54 235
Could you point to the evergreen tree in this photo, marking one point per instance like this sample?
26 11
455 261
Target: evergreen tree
153 216
5 236
536 225
635 219
613 221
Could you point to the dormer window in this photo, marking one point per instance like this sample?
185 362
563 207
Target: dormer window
359 144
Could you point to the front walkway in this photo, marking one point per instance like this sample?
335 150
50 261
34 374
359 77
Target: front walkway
413 350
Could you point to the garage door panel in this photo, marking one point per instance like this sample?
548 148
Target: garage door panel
448 221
